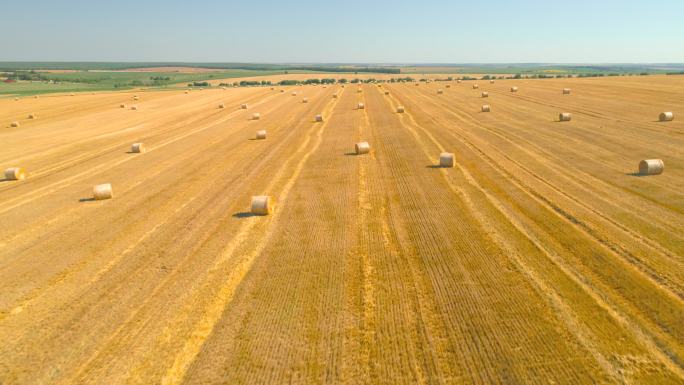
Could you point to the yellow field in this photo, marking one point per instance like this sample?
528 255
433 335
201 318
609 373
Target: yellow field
539 258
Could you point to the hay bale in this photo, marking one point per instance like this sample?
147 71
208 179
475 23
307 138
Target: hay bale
16 99
651 167
305 100
135 97
476 86
281 91
261 134
564 116
361 106
440 91
33 116
221 105
458 81
256 116
138 148
103 191
491 81
14 124
485 94
186 92
400 109
272 88
417 84
362 148
386 92
319 118
514 89
35 97
446 159
243 106
15 173
122 105
485 108
134 108
666 116
358 90
262 205
334 96
448 86
566 91
294 93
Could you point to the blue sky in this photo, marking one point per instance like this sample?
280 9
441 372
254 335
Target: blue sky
427 31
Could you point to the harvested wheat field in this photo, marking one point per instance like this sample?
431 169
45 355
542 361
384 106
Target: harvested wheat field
541 256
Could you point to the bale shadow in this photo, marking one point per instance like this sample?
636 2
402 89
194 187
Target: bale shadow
350 154
244 214
87 200
636 174
434 166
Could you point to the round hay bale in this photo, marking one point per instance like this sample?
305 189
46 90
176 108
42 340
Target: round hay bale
15 173
386 92
400 109
16 99
566 91
564 116
305 100
417 84
262 205
272 88
35 96
281 91
342 85
243 106
103 191
440 91
362 148
221 105
334 96
14 124
134 108
446 159
514 89
448 86
491 81
294 93
486 108
256 116
361 106
485 94
666 116
476 86
319 118
135 97
458 81
186 92
224 88
261 134
122 105
73 94
138 148
358 90
651 167
33 116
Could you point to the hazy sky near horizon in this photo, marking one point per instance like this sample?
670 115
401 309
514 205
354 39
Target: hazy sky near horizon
428 31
